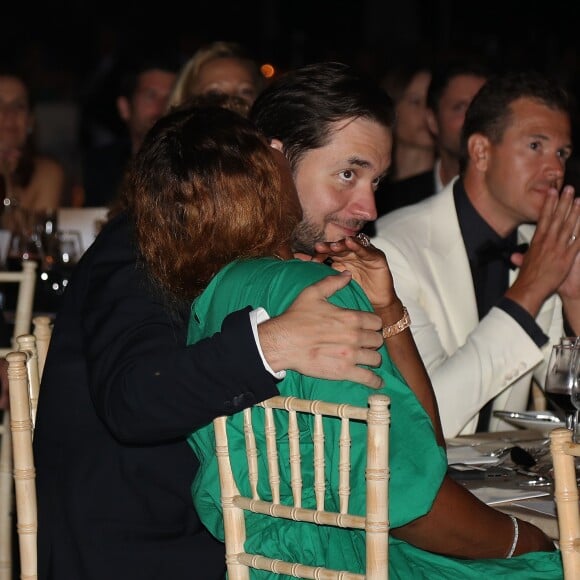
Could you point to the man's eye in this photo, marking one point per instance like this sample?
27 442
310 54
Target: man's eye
347 174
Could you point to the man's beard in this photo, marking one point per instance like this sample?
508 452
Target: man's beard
306 234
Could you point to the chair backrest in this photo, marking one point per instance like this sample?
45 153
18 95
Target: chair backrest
564 452
26 280
42 331
6 500
23 383
374 522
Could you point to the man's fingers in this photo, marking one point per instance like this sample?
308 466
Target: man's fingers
369 357
364 377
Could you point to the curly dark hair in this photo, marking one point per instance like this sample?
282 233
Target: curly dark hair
205 189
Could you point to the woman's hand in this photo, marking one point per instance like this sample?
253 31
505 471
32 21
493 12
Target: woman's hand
368 266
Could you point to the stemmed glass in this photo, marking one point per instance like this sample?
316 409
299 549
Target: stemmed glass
562 381
575 390
62 252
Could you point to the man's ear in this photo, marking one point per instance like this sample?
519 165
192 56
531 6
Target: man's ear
478 150
277 144
124 108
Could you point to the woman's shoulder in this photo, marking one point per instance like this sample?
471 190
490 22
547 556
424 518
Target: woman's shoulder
280 281
47 186
296 272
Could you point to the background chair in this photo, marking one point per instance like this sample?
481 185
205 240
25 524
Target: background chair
24 383
26 280
374 522
35 348
566 495
20 382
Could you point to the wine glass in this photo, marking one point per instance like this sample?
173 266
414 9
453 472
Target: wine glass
575 390
62 252
561 377
25 242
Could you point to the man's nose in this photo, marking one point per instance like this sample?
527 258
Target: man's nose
364 207
555 168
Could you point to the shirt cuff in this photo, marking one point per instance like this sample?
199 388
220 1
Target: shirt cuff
524 319
256 317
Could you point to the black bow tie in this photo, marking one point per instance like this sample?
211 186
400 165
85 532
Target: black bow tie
499 252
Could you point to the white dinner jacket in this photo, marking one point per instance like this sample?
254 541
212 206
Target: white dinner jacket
469 361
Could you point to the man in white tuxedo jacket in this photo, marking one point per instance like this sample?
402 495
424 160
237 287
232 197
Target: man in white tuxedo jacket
515 141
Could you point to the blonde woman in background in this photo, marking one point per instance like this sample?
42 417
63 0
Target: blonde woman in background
219 68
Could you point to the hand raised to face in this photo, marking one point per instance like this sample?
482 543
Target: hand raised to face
367 264
547 266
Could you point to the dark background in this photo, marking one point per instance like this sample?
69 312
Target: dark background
65 45
68 37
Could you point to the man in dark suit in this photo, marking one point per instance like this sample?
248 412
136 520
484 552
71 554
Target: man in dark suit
144 90
121 391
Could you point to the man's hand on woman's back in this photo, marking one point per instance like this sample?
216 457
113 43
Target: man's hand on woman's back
319 339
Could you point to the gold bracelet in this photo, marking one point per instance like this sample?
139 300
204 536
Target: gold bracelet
394 329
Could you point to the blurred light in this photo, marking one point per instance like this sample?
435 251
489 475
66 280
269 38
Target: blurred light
268 70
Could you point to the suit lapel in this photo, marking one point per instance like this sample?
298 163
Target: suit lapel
450 267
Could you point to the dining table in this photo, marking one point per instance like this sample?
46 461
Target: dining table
482 463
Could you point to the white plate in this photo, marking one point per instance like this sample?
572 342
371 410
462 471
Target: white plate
543 421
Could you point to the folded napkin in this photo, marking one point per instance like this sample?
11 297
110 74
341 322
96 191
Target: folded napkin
495 495
543 506
468 455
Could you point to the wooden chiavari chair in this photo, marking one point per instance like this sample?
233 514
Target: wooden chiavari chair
26 280
235 505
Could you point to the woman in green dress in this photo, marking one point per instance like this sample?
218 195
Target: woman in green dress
235 184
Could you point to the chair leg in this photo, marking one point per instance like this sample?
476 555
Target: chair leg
6 500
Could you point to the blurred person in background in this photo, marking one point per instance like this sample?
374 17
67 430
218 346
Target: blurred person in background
414 146
454 83
28 179
413 142
144 91
220 67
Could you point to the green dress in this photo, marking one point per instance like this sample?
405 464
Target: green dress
417 463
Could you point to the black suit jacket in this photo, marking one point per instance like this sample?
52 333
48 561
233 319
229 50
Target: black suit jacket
120 392
103 170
